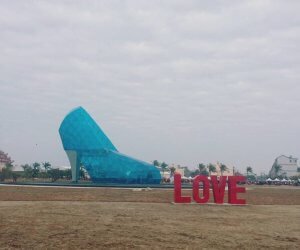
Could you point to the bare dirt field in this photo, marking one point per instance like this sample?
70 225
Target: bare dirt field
68 218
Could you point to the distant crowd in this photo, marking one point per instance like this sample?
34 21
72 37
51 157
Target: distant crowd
269 181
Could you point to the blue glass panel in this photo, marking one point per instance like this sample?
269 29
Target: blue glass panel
80 133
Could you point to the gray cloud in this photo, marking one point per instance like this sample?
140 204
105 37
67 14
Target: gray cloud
180 81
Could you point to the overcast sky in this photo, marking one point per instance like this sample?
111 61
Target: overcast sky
178 81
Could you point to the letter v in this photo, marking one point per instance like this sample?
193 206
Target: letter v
218 190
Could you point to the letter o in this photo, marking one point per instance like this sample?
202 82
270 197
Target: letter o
204 180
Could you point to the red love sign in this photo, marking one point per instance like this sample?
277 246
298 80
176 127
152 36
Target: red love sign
218 188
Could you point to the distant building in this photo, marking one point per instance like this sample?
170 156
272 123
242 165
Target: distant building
167 173
288 166
228 172
178 168
63 167
18 168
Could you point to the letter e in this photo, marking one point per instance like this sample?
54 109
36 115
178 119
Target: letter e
233 190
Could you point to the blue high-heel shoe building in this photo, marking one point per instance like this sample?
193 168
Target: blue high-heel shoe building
87 145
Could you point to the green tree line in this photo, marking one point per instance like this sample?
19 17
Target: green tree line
37 170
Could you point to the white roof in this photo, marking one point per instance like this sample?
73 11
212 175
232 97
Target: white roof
63 167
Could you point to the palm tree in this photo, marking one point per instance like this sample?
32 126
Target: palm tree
156 163
211 168
163 167
202 169
35 169
249 170
6 172
223 168
27 170
172 170
9 166
277 169
46 165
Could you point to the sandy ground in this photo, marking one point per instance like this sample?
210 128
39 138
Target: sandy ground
56 218
255 195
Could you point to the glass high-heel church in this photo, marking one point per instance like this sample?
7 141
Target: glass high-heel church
87 145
